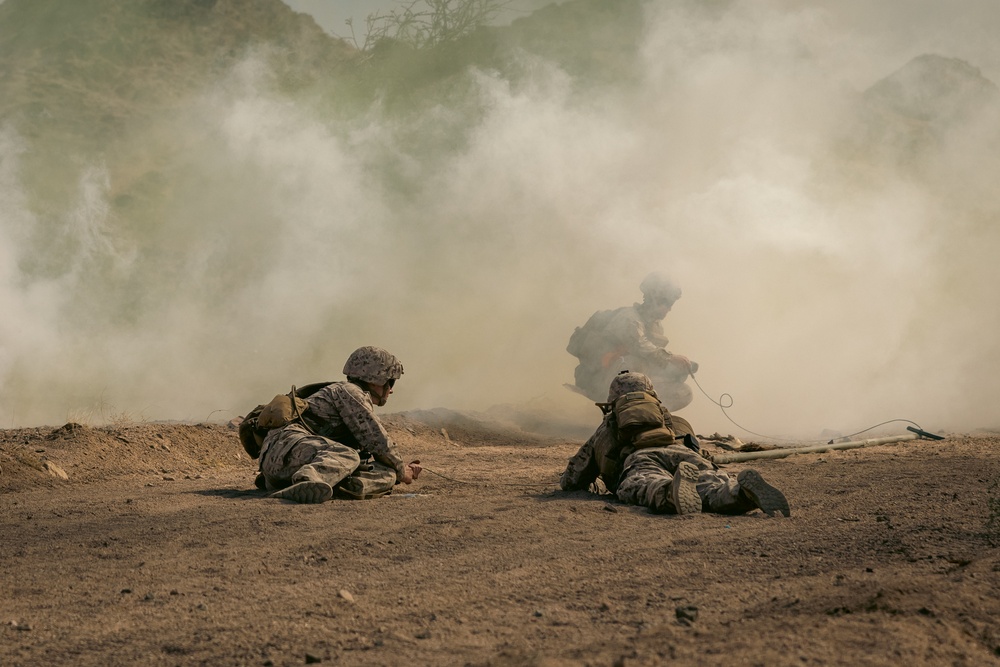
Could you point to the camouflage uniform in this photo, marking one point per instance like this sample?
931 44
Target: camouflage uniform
631 338
645 476
346 432
341 443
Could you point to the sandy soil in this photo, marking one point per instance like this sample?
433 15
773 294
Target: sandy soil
157 550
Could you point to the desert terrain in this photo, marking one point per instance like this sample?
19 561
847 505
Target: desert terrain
156 549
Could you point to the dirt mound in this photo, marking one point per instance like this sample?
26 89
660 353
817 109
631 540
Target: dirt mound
35 456
31 457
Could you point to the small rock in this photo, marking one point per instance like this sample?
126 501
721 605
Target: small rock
312 659
610 508
686 615
170 478
346 594
55 470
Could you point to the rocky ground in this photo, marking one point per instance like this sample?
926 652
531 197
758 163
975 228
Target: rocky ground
148 544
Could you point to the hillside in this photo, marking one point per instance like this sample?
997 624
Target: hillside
192 185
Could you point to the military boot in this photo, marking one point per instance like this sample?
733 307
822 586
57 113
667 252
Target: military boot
306 492
761 494
684 489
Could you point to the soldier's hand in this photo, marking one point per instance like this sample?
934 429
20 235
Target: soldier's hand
683 363
411 472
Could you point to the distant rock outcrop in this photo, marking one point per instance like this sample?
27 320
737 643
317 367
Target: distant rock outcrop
933 89
911 111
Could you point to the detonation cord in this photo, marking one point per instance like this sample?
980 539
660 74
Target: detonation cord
452 479
725 401
728 397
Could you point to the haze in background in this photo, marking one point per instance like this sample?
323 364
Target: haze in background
832 279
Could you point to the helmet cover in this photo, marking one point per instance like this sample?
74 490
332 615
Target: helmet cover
658 287
627 382
373 364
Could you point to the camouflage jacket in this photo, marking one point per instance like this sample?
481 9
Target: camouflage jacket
630 333
603 456
344 412
598 457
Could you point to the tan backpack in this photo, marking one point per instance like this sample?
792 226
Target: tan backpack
641 422
282 410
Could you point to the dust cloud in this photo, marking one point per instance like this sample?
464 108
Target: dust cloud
829 282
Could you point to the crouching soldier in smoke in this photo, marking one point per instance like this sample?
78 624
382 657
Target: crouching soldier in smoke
648 457
338 443
632 337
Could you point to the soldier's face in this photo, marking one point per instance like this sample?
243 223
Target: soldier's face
660 308
380 392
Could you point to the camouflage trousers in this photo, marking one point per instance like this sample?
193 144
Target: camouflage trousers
292 454
648 473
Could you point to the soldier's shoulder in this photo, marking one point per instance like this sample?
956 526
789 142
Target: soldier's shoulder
348 388
626 311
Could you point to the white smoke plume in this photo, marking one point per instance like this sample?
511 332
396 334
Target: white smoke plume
822 289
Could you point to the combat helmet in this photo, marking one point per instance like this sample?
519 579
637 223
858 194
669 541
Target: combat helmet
372 364
627 382
658 287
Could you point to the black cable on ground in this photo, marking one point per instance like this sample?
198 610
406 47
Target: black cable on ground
459 481
728 396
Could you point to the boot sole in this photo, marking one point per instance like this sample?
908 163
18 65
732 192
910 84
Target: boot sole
684 489
309 493
766 497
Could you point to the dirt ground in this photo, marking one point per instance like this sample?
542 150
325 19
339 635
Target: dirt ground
157 550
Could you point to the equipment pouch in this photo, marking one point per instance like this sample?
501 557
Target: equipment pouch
251 438
281 410
638 410
654 437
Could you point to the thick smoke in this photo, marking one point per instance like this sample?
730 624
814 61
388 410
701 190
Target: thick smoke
824 287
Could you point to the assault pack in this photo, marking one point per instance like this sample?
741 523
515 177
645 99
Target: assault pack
282 410
641 422
589 340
